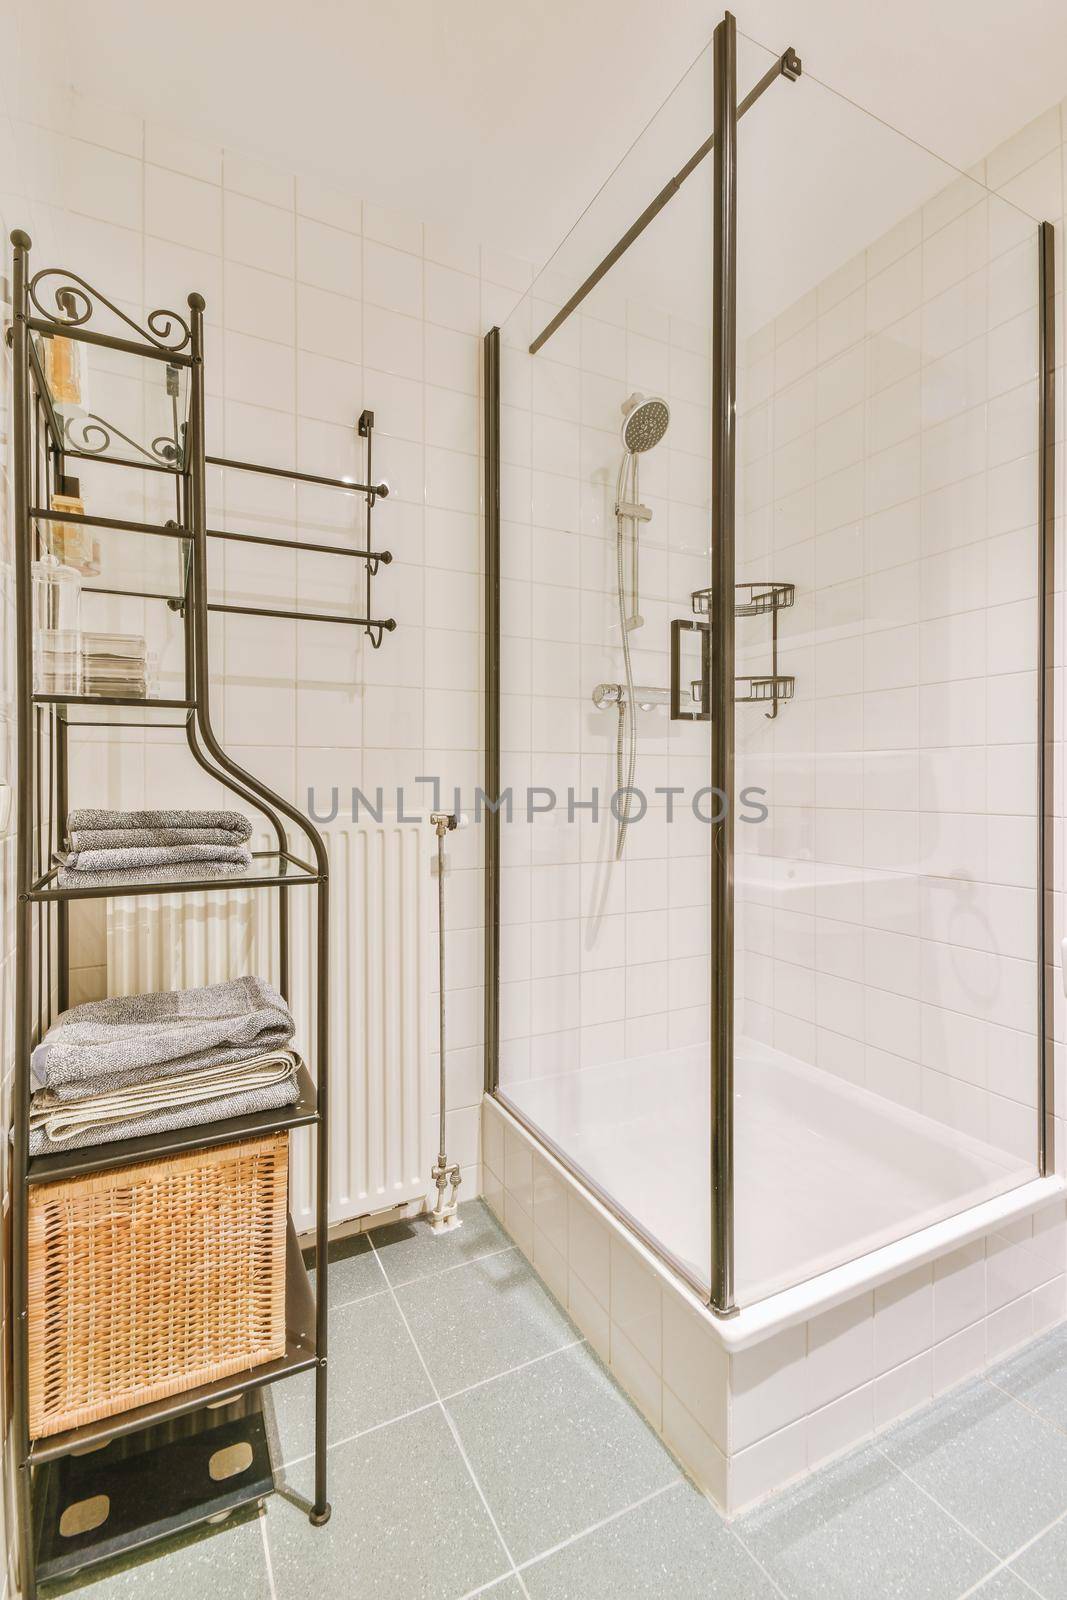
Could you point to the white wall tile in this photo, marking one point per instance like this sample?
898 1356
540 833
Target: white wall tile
173 148
182 209
257 234
328 258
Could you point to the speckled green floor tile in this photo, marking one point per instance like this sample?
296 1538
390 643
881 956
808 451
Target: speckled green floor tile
375 1375
1044 1563
410 1250
859 1530
483 1319
1037 1376
674 1545
407 1522
354 1271
557 1447
506 1589
998 1468
1003 1586
228 1561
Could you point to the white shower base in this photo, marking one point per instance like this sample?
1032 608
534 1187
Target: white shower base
825 1171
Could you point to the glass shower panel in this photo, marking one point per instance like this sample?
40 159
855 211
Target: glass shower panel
604 946
886 958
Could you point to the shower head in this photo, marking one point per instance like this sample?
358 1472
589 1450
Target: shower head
644 422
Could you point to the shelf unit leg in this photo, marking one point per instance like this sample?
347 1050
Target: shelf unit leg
24 914
320 1512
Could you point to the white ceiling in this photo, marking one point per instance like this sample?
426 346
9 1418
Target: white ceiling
506 117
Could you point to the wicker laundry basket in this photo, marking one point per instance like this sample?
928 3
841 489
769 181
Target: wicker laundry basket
149 1280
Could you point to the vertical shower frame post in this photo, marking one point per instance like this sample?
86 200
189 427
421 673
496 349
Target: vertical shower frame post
1047 967
723 423
491 818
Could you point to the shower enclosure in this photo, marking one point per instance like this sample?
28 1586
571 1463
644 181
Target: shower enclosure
769 530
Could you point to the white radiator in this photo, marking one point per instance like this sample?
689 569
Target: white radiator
381 905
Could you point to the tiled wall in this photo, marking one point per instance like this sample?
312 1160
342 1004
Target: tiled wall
317 306
600 960
888 439
18 208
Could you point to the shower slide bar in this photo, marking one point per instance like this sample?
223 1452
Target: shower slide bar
788 66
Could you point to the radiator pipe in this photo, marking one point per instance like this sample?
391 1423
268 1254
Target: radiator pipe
446 1175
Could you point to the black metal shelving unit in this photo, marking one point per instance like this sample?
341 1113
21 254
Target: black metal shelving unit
154 1444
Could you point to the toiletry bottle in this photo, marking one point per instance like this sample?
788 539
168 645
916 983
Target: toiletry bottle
64 368
73 543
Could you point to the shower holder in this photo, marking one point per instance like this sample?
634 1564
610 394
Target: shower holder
753 599
754 691
759 690
758 600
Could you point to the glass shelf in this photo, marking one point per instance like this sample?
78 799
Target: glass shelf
143 560
268 869
106 404
93 710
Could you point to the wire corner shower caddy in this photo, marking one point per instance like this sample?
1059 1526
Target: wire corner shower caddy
713 695
150 1463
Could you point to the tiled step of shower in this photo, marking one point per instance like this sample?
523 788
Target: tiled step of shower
479 1447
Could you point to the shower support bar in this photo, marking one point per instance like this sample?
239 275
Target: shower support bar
1048 969
721 687
788 66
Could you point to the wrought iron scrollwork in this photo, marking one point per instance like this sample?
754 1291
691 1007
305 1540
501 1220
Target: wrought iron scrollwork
68 301
88 434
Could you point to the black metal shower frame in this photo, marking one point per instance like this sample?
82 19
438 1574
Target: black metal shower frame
40 450
720 1293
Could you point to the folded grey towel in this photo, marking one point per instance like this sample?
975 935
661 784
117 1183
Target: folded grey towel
146 838
125 860
133 1039
64 1120
186 1116
179 872
97 821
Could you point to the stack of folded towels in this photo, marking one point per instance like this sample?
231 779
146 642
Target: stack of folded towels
146 1063
172 844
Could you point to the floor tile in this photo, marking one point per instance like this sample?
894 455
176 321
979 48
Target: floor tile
1003 1586
557 1447
228 1561
407 1523
483 1319
675 1545
1038 1377
506 1589
1044 1563
355 1271
998 1468
410 1250
375 1375
859 1530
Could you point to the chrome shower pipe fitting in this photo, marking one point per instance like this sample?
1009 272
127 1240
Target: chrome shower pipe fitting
445 1174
